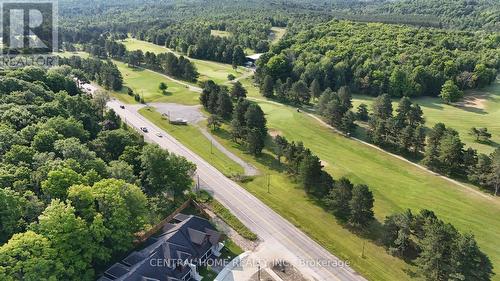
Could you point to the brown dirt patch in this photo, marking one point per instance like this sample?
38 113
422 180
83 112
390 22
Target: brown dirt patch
477 101
287 272
274 133
264 276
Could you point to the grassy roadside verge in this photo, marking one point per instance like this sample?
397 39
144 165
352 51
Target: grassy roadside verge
223 213
231 220
191 137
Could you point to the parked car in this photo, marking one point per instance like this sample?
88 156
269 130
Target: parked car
158 134
122 106
179 121
144 129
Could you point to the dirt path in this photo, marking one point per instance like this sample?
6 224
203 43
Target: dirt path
468 188
244 76
187 85
250 170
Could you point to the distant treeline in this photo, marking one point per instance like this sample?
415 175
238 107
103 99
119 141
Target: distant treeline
167 62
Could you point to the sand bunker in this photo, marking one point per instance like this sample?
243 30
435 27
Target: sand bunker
274 133
473 101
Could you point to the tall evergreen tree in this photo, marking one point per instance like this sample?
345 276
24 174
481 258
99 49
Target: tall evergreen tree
382 107
267 89
338 199
361 206
315 89
238 91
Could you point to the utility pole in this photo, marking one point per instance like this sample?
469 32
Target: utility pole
268 183
258 265
211 149
363 251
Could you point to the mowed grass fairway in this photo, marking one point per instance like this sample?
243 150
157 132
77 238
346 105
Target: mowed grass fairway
396 185
145 83
207 69
191 137
291 202
462 119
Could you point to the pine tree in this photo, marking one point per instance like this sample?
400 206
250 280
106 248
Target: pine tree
362 113
315 89
224 106
348 126
255 141
382 107
435 261
279 90
238 91
310 169
338 199
361 206
267 89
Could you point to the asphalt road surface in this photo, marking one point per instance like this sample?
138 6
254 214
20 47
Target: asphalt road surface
280 236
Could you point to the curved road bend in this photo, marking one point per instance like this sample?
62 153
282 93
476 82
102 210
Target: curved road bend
276 232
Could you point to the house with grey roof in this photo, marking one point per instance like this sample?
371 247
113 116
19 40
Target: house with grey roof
172 255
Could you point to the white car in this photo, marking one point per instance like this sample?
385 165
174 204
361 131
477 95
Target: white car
158 134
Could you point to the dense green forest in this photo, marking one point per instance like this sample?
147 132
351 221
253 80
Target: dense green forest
76 184
455 14
186 26
374 58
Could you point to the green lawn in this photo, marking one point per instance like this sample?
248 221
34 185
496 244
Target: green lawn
191 137
220 33
207 69
252 90
277 34
146 83
70 54
462 118
229 252
289 200
232 220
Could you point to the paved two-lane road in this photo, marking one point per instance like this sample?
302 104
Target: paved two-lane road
277 234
